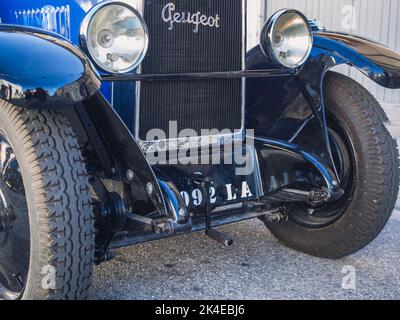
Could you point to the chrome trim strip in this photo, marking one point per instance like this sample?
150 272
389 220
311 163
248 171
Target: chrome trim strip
202 76
112 94
137 86
244 51
258 174
146 145
56 19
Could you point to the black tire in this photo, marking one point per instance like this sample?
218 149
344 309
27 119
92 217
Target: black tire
61 220
375 183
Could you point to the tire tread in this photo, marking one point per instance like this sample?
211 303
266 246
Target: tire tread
61 195
372 207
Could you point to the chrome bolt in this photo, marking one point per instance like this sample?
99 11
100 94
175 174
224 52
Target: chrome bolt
149 188
168 228
311 211
182 212
130 175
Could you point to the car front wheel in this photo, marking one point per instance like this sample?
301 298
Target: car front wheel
366 157
46 220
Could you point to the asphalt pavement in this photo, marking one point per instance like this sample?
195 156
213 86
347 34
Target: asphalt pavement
257 266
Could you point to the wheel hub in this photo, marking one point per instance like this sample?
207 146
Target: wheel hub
14 225
344 159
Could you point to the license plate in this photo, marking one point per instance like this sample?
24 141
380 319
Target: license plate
220 193
226 187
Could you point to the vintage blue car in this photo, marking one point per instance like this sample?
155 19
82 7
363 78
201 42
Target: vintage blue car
123 122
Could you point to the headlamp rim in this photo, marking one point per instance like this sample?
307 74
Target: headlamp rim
84 30
267 33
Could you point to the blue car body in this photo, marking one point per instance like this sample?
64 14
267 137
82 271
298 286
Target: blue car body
41 60
64 17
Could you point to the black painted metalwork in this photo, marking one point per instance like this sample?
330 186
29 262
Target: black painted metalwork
345 160
265 146
298 154
196 104
131 165
219 219
376 61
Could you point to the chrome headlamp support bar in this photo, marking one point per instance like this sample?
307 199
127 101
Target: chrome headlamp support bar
202 75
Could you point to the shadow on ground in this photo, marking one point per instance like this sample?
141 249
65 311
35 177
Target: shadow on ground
256 267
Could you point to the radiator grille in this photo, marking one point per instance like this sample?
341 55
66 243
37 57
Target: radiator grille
195 104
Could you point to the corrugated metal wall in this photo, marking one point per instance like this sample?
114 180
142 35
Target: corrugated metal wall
375 19
256 17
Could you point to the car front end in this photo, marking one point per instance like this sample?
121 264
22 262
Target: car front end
192 128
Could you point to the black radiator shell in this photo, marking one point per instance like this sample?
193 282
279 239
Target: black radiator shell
196 104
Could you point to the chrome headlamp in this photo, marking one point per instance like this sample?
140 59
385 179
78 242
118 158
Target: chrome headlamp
115 37
287 38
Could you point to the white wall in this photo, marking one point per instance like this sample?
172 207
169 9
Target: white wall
374 19
255 20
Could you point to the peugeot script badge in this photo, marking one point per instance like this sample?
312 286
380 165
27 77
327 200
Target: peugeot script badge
169 15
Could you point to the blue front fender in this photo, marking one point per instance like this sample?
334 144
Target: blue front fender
281 108
39 69
378 62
